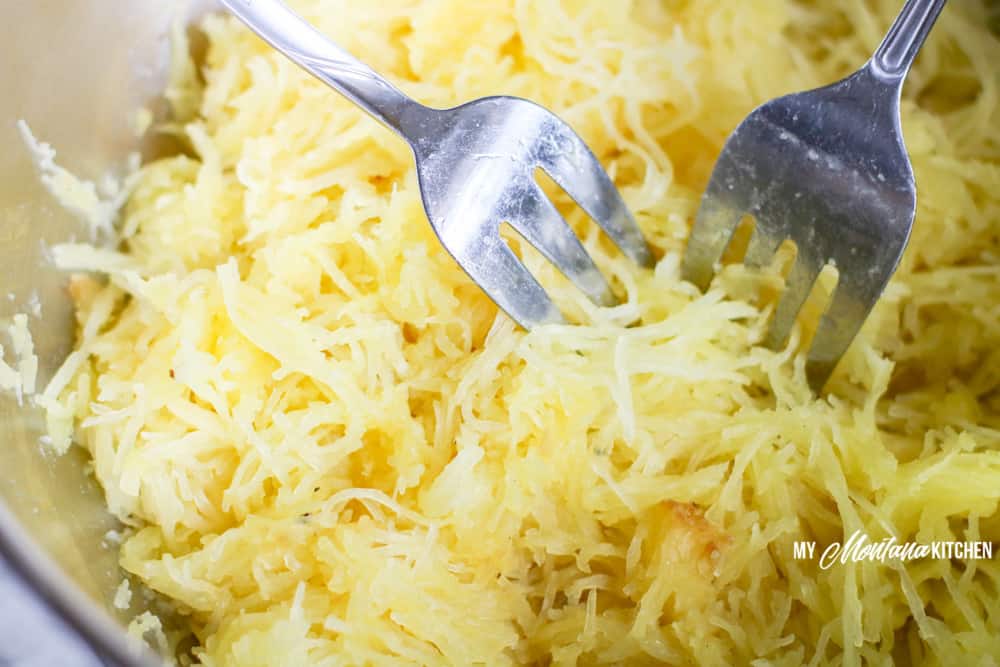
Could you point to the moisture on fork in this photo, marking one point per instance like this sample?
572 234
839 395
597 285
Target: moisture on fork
827 170
476 166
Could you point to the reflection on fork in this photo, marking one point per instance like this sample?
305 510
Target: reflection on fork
826 169
476 166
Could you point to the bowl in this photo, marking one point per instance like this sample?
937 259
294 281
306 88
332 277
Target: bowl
76 71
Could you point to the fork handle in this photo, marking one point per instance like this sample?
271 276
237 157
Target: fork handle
295 37
894 56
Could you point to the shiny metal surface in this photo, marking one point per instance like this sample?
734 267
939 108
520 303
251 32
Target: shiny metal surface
31 635
828 170
476 166
76 71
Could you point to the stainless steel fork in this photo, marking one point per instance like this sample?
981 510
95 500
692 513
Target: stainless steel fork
476 168
828 170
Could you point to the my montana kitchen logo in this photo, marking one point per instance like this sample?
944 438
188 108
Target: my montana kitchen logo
859 547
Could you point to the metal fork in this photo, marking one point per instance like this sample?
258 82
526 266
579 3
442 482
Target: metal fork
476 168
826 169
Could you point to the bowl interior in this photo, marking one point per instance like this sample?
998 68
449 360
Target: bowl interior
78 72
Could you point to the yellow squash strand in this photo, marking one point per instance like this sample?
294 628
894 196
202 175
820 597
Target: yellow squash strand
336 452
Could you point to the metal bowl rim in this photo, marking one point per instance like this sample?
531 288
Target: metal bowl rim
34 567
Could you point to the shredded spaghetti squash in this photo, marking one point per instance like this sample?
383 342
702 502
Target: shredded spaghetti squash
334 450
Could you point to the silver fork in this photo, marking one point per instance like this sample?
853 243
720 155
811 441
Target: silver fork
476 168
826 169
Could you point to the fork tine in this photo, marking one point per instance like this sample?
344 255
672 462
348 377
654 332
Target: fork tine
800 281
491 263
848 309
580 174
713 229
761 249
542 225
